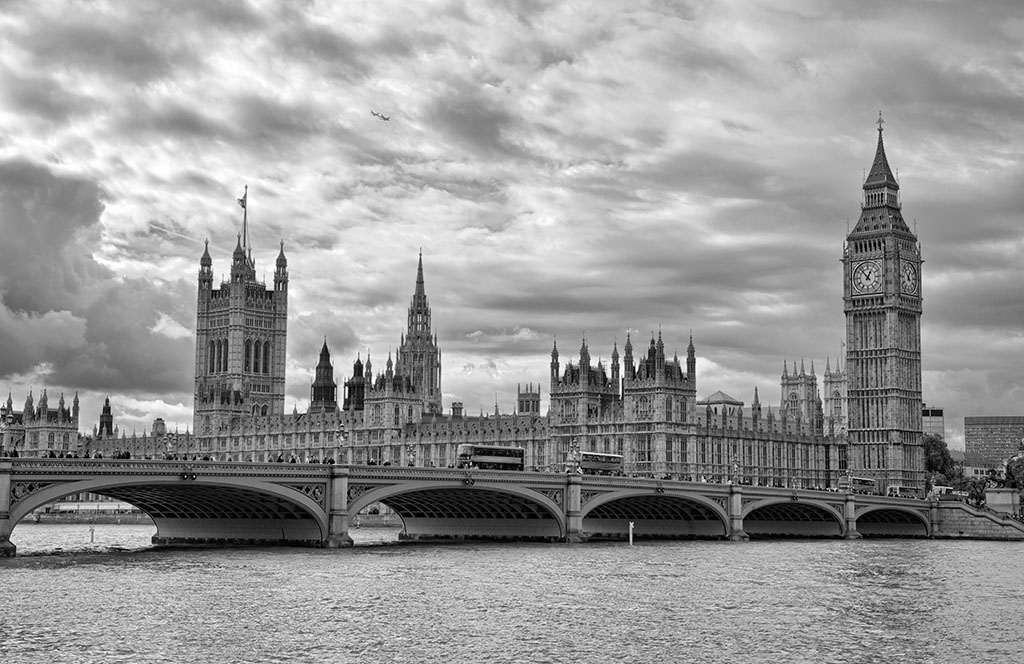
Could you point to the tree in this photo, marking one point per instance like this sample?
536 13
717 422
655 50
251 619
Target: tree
936 455
1015 472
976 491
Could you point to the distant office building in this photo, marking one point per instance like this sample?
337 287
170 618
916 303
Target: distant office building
933 421
989 441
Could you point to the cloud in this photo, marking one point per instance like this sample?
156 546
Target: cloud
95 330
567 171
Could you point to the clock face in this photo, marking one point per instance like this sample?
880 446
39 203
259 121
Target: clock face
867 277
908 278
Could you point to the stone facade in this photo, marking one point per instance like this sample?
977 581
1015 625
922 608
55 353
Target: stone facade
39 429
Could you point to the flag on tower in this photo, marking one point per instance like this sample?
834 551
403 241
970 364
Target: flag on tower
241 201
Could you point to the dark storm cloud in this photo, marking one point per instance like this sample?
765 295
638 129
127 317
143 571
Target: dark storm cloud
40 216
122 352
63 308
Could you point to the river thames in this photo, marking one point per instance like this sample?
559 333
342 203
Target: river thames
116 599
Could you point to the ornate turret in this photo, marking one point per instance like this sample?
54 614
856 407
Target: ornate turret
355 387
630 368
659 357
106 420
281 270
691 358
616 378
323 394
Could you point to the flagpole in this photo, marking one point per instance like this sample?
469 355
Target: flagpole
245 218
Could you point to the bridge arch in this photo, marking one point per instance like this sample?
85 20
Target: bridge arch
654 513
782 516
204 509
893 521
453 508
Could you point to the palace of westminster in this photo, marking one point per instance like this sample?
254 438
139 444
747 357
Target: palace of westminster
643 406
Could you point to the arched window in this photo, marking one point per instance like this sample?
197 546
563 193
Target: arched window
248 354
213 355
256 357
263 411
266 357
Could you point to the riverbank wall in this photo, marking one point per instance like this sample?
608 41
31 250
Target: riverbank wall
961 521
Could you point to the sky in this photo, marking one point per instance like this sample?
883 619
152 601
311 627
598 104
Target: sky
568 170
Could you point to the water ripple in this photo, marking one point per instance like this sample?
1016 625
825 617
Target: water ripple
819 601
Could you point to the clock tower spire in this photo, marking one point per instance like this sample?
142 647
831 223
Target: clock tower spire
882 304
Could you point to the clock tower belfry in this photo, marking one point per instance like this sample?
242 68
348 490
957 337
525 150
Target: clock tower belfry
882 303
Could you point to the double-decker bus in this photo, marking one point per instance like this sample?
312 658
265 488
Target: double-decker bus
896 491
596 463
859 484
490 457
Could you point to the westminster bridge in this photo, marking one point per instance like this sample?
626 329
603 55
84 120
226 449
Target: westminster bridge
213 502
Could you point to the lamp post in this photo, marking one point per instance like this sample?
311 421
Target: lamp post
341 445
574 455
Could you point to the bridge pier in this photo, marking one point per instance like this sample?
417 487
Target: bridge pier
736 533
573 514
850 514
337 510
7 549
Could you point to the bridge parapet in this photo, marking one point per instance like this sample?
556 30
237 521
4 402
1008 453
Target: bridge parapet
213 501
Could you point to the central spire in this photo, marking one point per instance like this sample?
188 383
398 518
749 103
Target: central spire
880 174
420 290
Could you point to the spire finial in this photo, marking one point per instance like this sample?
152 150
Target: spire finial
880 121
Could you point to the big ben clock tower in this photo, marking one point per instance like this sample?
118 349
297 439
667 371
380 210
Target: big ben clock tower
882 303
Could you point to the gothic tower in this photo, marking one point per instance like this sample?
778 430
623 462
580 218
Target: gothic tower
241 331
800 398
835 403
882 303
418 356
323 393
